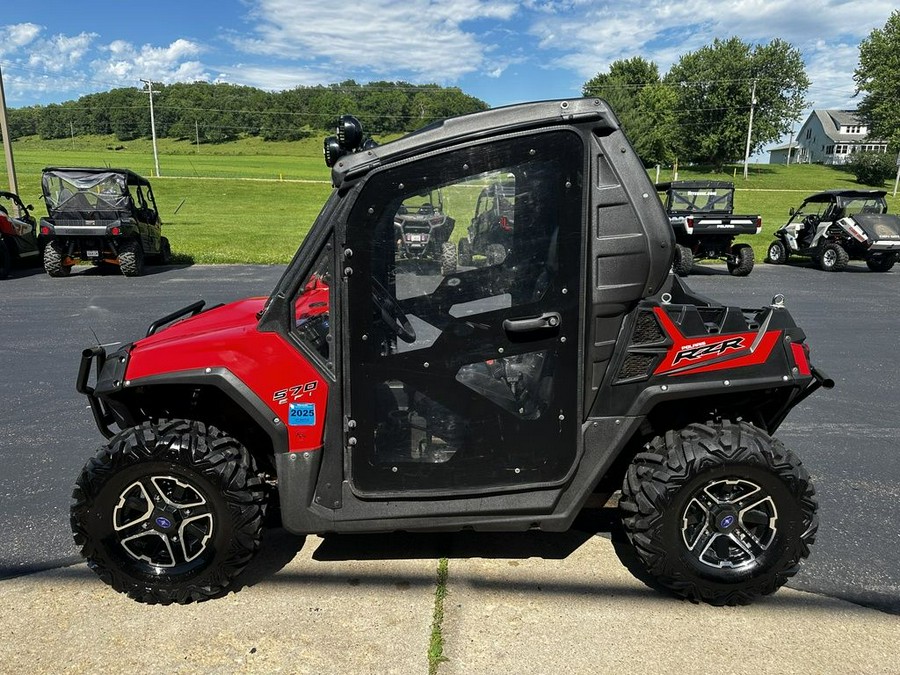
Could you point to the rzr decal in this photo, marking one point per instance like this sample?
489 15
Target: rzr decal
699 350
293 393
688 356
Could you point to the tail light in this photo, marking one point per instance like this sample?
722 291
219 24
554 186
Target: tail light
115 231
5 225
800 352
504 224
689 224
45 230
758 224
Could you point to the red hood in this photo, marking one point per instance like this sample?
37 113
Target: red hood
210 339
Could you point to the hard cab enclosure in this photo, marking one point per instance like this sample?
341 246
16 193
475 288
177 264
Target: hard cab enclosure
495 397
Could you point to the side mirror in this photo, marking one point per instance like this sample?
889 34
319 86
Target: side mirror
30 207
791 212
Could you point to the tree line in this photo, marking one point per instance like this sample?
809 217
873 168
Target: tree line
215 113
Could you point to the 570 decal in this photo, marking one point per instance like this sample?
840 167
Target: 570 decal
699 351
295 392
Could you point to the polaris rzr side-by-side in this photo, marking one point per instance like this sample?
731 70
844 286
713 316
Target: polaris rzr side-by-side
423 231
836 226
101 216
498 397
701 215
18 233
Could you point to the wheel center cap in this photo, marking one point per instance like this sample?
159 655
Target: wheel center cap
165 520
725 521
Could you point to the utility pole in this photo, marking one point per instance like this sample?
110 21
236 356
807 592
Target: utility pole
750 127
152 125
7 141
197 135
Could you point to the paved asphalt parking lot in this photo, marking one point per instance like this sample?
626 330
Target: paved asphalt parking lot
847 437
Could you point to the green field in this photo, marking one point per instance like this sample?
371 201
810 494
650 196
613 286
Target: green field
253 201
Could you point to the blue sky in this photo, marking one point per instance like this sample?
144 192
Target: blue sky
498 50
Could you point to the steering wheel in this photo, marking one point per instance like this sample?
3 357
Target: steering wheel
391 313
811 220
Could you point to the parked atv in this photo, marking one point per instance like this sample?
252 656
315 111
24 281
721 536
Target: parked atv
102 216
491 231
423 231
701 215
836 226
501 397
18 233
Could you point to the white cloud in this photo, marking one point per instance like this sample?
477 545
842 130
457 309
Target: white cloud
417 39
127 64
15 36
274 79
61 52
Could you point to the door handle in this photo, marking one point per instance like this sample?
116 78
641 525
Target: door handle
532 323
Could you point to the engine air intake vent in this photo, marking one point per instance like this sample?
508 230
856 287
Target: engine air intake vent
646 330
636 365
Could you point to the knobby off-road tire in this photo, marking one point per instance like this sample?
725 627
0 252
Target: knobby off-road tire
169 512
684 260
833 257
4 260
165 252
53 260
720 513
744 259
777 253
881 262
465 253
131 258
495 254
448 258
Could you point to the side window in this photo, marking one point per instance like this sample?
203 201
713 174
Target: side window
312 309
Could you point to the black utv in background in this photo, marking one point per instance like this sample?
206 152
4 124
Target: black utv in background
100 216
700 213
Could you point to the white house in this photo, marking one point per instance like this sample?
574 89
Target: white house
832 136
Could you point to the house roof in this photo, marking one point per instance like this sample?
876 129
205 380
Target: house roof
833 120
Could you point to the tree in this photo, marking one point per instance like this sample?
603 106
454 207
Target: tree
878 74
713 89
623 89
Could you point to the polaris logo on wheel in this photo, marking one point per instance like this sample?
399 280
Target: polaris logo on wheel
694 352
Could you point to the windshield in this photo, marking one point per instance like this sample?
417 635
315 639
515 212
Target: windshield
82 191
702 200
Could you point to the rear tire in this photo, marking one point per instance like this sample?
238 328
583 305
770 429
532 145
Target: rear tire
131 258
4 260
833 257
720 513
53 260
448 258
684 260
777 253
169 512
744 259
881 262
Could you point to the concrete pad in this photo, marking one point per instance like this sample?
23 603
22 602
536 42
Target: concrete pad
295 614
587 613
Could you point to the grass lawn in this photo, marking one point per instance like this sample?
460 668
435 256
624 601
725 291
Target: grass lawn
253 201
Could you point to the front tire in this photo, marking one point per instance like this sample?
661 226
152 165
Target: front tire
720 513
465 253
777 253
169 512
833 258
4 260
684 260
743 261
